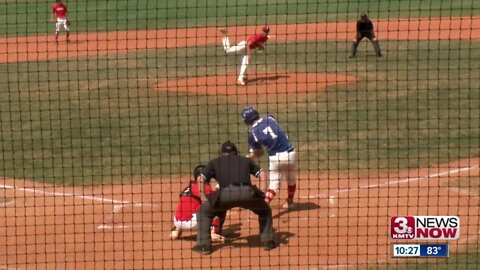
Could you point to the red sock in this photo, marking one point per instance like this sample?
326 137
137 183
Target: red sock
215 225
291 192
269 195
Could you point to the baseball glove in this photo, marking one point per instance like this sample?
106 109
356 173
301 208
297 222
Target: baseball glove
68 23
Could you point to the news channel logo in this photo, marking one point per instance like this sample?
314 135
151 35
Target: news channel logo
425 227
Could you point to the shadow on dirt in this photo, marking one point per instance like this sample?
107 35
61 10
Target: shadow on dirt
301 206
265 79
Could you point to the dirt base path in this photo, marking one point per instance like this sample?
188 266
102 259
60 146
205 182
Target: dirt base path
44 47
342 220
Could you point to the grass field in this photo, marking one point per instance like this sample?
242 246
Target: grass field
467 261
23 16
413 108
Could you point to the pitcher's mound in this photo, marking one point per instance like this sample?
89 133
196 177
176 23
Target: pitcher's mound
266 83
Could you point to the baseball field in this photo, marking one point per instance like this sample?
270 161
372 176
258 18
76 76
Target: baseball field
99 134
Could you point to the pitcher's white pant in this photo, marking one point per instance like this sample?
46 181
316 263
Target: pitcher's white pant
61 22
240 47
282 166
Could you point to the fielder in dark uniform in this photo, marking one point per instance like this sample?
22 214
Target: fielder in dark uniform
232 172
365 29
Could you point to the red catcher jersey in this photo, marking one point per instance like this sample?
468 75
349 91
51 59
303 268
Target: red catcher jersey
60 10
188 205
256 41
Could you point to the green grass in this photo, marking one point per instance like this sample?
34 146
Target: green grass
97 120
30 17
471 183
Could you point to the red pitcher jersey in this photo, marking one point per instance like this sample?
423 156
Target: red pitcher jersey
256 41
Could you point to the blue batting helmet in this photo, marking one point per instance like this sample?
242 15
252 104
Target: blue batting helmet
249 114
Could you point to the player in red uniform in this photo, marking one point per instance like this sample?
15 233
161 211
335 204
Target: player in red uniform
246 46
185 213
60 11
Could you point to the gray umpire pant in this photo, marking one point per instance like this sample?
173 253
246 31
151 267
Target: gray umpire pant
375 44
247 197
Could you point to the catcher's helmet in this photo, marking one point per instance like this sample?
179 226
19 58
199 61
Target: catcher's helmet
266 29
249 114
229 148
197 171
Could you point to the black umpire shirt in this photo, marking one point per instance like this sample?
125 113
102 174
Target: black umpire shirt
364 26
231 170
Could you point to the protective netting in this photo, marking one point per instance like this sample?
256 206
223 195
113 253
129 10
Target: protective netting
106 108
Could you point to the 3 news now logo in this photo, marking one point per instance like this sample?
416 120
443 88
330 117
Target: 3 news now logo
425 227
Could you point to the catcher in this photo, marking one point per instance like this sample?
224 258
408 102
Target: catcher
60 11
365 29
185 214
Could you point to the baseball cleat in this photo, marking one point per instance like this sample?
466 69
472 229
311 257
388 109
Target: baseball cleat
223 31
204 250
269 245
217 238
175 234
241 82
289 205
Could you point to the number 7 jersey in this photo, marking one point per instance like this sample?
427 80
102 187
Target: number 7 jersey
267 132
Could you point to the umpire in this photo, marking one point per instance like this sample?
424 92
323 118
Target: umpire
232 172
365 29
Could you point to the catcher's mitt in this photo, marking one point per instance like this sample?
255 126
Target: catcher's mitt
68 23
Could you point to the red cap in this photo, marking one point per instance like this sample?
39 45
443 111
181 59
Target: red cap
266 29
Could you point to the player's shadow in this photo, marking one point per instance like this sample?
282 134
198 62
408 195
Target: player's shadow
232 231
264 79
282 238
301 206
192 237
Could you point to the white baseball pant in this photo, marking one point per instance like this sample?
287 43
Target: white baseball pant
282 166
61 22
240 47
186 225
